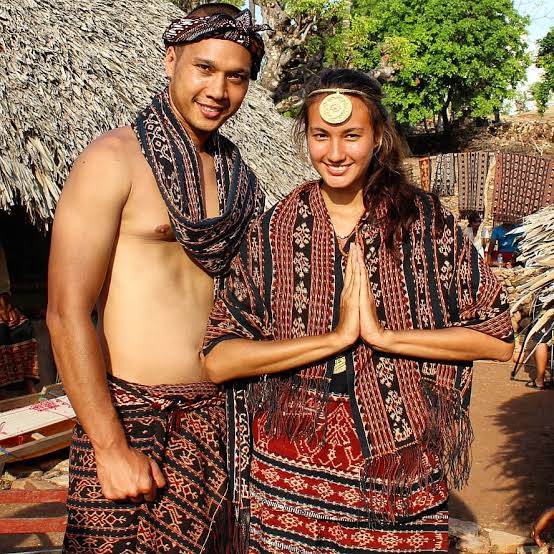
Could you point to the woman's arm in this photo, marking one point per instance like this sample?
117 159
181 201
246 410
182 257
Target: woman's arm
452 343
239 358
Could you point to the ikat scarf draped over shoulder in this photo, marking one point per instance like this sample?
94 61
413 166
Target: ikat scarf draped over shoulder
286 282
174 161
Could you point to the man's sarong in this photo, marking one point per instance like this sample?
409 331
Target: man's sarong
18 351
306 497
181 427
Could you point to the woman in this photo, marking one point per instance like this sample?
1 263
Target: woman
351 317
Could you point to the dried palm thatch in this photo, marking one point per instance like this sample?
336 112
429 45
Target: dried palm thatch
69 71
537 279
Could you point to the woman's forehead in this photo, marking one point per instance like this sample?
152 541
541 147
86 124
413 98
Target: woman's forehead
359 117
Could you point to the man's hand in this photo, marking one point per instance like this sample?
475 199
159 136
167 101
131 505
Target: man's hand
128 474
371 330
348 327
545 519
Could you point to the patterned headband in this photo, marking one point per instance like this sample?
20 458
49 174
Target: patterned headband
239 29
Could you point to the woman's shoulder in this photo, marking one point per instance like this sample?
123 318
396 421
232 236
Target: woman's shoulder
291 200
431 209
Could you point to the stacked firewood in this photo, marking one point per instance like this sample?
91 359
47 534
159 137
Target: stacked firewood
536 280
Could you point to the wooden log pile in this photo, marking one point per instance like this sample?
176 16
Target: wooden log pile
536 279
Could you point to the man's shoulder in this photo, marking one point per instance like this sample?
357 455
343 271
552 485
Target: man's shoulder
120 143
107 163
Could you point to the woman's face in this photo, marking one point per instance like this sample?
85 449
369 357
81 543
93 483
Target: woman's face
341 153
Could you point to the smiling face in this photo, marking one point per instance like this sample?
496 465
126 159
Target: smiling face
341 153
208 82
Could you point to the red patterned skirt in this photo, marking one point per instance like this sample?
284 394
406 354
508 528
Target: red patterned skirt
182 427
18 351
306 496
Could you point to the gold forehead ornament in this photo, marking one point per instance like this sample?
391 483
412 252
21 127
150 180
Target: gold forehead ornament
336 107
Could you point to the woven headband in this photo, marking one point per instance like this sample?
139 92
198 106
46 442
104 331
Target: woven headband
239 29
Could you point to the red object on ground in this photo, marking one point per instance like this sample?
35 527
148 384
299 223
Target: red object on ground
22 525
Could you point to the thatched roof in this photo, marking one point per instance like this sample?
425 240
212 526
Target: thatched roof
72 70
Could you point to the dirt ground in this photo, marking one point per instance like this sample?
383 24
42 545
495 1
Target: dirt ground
512 479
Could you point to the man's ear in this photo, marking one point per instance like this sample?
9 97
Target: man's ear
170 61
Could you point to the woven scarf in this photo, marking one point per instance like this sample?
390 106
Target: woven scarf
444 177
286 283
522 185
472 169
239 29
212 242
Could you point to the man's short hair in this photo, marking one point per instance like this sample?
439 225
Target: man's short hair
212 9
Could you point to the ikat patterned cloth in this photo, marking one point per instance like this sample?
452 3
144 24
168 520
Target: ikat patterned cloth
174 161
286 282
181 427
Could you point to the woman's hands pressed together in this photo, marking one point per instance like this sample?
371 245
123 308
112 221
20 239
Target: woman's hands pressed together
358 313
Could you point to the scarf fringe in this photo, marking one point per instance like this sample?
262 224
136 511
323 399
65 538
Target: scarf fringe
295 406
448 437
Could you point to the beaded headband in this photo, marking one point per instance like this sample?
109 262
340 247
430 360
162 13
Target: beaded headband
336 107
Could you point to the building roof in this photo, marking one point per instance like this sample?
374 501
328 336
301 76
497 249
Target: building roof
70 71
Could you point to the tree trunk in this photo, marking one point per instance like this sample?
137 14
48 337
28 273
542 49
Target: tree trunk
446 127
279 44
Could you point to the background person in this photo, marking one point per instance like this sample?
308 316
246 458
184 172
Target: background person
471 232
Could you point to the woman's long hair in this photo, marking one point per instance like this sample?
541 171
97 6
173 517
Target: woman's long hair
388 190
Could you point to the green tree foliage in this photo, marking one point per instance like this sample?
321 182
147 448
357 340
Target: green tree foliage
543 89
449 57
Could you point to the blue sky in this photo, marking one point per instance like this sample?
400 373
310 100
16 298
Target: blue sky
541 13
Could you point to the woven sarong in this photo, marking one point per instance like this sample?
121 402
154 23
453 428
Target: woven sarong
18 351
522 185
182 427
305 496
472 170
425 168
444 176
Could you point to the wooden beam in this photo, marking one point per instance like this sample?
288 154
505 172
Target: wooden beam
25 525
33 497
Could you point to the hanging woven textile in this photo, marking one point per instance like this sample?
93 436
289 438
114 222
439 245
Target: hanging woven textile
523 184
471 171
444 177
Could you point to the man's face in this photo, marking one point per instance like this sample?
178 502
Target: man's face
208 82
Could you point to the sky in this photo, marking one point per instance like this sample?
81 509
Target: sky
541 13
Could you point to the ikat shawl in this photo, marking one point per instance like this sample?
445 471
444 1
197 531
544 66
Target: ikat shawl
286 282
472 169
444 176
522 185
212 242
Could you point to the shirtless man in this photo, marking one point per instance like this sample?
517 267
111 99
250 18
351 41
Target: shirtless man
134 235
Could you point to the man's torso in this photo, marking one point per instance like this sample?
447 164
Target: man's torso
155 302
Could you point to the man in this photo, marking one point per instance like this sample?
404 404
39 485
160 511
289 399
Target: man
471 232
147 460
502 243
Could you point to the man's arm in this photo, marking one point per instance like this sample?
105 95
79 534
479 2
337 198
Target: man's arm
85 227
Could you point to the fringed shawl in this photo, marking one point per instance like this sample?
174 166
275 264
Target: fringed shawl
212 242
286 282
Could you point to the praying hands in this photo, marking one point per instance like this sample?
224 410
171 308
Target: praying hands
358 311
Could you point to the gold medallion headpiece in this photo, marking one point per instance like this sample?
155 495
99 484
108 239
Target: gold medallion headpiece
336 107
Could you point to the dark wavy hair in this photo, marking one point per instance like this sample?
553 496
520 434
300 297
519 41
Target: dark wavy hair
387 186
